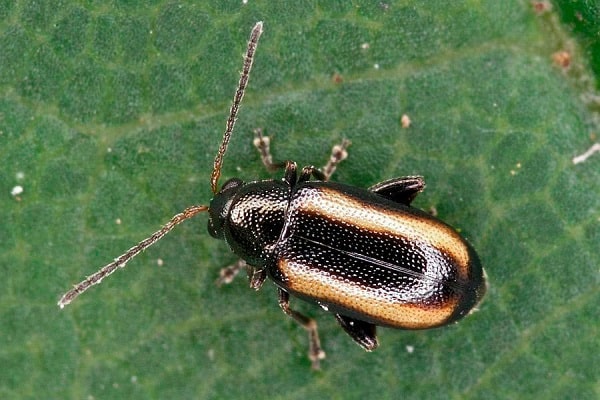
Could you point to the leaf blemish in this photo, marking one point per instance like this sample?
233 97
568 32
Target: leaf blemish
587 154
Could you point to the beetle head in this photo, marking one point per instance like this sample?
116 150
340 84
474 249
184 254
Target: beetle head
220 205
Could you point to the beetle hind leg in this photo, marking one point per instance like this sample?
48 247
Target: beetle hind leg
315 353
401 190
362 332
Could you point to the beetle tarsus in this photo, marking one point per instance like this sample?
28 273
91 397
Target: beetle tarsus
315 352
263 145
338 154
227 274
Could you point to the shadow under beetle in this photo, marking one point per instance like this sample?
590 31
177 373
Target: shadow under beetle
366 256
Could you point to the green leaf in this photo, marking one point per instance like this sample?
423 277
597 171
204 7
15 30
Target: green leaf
583 19
110 116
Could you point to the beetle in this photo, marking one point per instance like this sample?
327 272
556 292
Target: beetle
365 255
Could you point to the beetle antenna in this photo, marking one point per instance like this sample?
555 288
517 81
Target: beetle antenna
237 99
122 260
189 212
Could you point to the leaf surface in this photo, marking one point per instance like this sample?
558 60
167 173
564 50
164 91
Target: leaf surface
110 116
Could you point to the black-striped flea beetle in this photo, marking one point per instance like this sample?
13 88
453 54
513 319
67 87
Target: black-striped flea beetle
366 256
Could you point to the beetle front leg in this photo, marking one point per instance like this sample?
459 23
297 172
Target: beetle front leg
308 172
256 276
338 154
263 144
227 274
315 353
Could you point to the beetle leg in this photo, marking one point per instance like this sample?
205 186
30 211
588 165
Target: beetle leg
256 277
262 143
362 332
290 173
227 274
309 171
338 154
401 190
315 353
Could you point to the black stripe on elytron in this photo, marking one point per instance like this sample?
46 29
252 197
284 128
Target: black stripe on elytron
342 205
454 285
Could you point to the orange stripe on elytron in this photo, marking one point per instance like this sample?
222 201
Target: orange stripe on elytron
363 300
335 205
